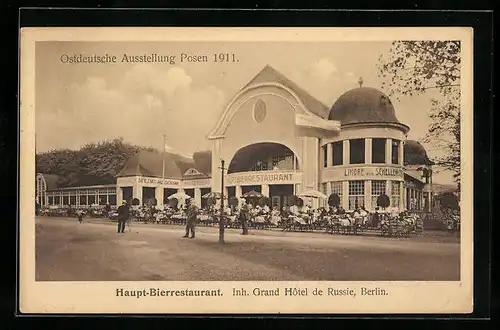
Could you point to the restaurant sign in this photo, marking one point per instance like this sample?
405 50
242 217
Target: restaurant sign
156 181
196 183
262 178
374 171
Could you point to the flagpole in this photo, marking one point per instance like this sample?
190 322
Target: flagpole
163 158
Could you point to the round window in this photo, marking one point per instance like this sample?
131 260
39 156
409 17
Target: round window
259 111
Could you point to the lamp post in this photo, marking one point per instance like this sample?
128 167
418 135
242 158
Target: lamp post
163 156
221 220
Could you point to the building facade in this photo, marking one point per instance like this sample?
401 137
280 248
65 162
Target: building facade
277 139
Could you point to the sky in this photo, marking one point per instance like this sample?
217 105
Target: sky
82 103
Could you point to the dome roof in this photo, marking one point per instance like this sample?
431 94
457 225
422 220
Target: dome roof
415 154
363 105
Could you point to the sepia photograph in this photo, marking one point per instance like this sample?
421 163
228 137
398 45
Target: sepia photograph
234 160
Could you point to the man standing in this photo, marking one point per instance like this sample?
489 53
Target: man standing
192 213
244 216
123 215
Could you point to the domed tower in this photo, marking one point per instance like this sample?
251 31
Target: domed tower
366 159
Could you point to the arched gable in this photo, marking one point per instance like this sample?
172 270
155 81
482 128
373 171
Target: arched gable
251 92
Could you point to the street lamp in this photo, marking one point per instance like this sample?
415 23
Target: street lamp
221 221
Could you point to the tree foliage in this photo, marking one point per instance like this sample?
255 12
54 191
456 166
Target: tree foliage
94 163
448 201
334 200
383 201
416 67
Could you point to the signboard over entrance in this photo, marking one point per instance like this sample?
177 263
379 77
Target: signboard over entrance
271 177
196 183
164 182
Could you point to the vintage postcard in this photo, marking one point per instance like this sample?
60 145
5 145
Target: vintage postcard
246 170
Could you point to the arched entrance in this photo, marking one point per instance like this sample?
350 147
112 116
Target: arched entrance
265 156
269 168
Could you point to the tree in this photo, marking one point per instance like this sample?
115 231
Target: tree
383 201
334 200
94 163
448 201
233 201
416 67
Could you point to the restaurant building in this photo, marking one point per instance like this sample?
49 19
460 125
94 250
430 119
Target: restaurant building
277 139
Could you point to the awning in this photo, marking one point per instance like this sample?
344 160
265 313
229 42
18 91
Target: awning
415 175
317 125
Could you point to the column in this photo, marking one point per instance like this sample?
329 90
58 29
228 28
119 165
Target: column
197 197
368 151
237 192
310 163
328 189
119 196
345 194
61 199
401 153
401 196
345 152
329 154
388 191
78 198
388 151
265 190
159 193
137 192
368 195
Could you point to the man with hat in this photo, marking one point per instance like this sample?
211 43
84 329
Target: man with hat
192 214
244 215
123 215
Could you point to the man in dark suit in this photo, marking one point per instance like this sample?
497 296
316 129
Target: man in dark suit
123 215
244 216
192 214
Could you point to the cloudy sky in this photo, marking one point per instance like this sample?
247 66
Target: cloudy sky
81 103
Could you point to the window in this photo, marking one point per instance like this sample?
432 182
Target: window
356 194
395 192
112 199
337 153
72 200
357 151
83 200
337 188
395 151
51 200
102 199
91 199
378 188
65 200
324 188
378 151
325 155
57 200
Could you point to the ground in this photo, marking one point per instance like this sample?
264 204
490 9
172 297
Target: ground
92 251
